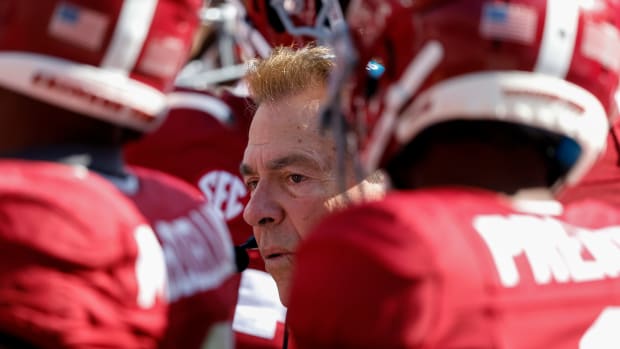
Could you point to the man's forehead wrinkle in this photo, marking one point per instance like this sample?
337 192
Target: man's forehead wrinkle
293 159
306 157
310 109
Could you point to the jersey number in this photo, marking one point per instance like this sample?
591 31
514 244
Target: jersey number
150 267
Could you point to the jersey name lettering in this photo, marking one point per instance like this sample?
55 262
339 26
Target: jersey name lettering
198 252
555 251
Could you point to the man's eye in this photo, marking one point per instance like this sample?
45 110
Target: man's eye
251 184
296 178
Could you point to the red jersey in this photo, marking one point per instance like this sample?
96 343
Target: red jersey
460 268
80 267
202 142
199 257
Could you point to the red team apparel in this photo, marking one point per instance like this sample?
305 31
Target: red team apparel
115 61
202 142
460 268
80 266
199 257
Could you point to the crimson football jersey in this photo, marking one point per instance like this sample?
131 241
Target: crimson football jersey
202 142
79 266
199 256
460 268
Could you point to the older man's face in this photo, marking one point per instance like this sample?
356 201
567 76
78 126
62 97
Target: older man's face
289 168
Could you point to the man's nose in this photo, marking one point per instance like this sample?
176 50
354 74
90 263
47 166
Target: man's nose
263 207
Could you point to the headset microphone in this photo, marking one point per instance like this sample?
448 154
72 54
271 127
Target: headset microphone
242 259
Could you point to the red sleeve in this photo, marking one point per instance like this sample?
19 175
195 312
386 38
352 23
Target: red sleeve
351 288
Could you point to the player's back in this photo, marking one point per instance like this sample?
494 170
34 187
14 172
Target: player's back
457 268
199 258
80 266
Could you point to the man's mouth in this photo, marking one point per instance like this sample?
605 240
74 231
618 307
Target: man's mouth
277 255
274 253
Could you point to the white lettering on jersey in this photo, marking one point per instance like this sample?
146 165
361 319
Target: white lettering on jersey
554 250
150 267
198 251
603 334
224 191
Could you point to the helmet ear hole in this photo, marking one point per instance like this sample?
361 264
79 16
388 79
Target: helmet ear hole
565 154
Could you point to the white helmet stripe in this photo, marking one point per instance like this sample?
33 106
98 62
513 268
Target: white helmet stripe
204 103
536 100
128 40
559 36
103 94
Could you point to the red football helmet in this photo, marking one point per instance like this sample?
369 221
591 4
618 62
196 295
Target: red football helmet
272 23
550 64
112 60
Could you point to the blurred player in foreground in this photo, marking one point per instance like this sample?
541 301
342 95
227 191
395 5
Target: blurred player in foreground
83 267
484 111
